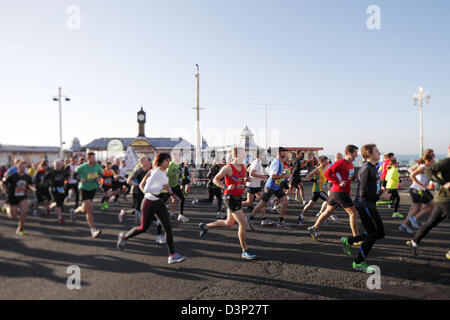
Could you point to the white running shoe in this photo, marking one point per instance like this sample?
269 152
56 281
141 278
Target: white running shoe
121 241
220 215
305 202
160 239
267 222
121 215
95 232
176 258
334 217
182 218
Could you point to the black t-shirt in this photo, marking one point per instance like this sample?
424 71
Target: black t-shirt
40 181
137 177
296 167
56 178
17 185
115 168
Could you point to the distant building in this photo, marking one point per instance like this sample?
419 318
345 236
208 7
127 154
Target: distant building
27 153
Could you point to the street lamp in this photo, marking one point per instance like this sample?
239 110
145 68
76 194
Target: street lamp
59 98
418 100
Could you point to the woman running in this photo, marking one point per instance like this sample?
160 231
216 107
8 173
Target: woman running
56 178
421 196
155 186
392 179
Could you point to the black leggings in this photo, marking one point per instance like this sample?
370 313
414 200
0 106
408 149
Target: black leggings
73 186
371 221
177 191
149 209
395 197
212 191
440 212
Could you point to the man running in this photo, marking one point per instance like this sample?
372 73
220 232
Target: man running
89 174
41 184
296 179
234 188
341 174
439 173
273 187
173 173
318 176
107 185
366 199
16 186
56 178
72 182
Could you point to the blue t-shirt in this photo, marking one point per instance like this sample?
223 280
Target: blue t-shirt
276 168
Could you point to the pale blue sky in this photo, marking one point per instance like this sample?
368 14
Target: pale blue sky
329 80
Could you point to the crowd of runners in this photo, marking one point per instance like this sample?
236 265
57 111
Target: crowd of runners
157 187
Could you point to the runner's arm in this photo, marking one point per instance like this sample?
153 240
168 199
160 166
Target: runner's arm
330 174
225 171
311 174
415 173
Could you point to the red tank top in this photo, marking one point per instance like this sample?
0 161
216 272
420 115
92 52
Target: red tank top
237 179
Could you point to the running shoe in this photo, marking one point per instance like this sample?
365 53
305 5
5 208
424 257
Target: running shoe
121 242
447 255
282 224
398 215
413 246
267 222
182 218
305 202
300 219
175 258
73 215
220 215
106 205
20 232
363 267
121 215
102 207
414 222
203 230
326 222
405 228
60 220
160 239
193 202
248 255
334 217
346 246
358 244
250 223
95 233
314 233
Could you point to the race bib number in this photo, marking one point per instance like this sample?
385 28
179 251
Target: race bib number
108 181
92 176
351 173
20 191
277 182
60 189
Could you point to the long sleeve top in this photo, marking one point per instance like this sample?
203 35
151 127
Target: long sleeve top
339 171
367 194
440 173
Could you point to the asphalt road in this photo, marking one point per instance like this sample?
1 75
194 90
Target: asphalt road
290 265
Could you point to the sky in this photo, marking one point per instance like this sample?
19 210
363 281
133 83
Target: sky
326 79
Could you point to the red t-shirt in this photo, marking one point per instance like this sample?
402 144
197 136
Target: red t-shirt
237 179
339 171
384 166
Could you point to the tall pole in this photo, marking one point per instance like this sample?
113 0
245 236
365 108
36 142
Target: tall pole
267 141
60 126
198 154
421 128
418 100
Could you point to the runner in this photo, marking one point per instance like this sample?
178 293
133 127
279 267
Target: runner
89 174
173 174
338 156
56 178
439 173
422 199
317 175
72 181
155 185
273 187
366 203
234 188
213 190
107 185
41 184
135 179
392 182
383 169
185 178
122 179
296 179
341 174
16 186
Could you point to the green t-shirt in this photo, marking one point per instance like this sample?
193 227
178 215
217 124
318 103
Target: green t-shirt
91 174
173 173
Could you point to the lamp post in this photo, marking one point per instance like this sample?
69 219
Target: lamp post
59 99
418 100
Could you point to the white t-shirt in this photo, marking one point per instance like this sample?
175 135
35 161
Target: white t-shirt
72 167
122 174
154 184
256 182
422 178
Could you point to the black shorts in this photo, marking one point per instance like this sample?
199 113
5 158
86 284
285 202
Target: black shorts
116 185
319 195
284 185
43 195
419 196
106 188
185 182
269 192
254 190
87 195
58 198
340 199
14 201
233 203
122 184
296 181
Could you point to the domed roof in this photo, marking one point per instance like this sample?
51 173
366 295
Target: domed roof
75 144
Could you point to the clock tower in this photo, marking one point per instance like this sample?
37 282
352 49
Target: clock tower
141 119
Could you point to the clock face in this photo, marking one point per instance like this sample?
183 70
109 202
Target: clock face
141 117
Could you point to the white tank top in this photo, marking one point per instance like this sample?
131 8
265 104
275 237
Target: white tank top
422 178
